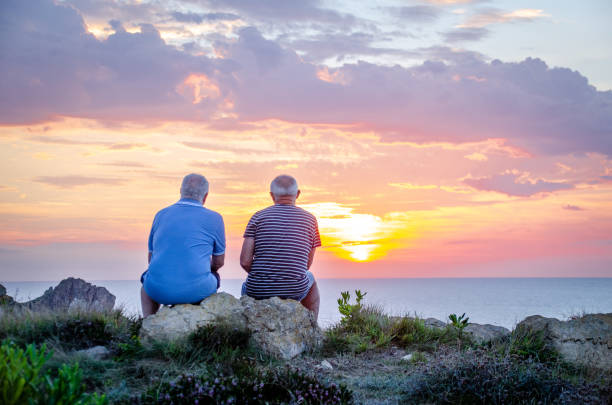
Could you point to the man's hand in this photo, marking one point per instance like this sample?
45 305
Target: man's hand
217 262
246 255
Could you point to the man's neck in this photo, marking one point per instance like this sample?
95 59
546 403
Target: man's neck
289 200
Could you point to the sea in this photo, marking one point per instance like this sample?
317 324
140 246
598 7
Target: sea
496 301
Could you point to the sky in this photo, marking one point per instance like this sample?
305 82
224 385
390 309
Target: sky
431 138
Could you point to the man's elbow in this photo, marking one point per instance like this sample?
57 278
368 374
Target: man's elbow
218 262
246 264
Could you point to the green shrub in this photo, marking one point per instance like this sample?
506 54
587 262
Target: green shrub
67 388
525 343
20 372
71 330
272 387
22 381
476 377
367 328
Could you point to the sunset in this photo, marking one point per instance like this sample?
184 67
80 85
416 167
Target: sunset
432 155
426 158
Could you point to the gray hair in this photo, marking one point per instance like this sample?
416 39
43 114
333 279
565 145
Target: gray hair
194 186
284 185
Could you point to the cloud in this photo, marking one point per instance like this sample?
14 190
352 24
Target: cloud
570 207
416 13
123 163
495 16
126 146
128 76
465 35
200 17
454 96
321 46
75 181
512 185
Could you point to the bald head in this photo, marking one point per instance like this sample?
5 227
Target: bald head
284 185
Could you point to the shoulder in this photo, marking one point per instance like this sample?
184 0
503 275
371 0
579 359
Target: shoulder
213 215
307 214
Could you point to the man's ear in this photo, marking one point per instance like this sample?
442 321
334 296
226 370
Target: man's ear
272 195
297 195
204 199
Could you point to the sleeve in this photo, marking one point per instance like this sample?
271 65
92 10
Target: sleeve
153 226
251 227
316 238
219 247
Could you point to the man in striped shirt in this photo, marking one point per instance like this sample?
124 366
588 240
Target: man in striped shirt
278 249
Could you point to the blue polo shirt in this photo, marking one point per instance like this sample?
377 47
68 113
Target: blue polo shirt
183 238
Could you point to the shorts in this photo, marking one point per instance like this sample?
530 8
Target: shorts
214 273
311 281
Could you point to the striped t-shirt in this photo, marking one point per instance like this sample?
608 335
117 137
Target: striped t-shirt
284 236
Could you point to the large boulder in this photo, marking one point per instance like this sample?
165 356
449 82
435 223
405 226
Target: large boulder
486 332
282 328
170 323
586 340
73 294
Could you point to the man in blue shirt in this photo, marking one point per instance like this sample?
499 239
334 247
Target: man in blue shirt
186 248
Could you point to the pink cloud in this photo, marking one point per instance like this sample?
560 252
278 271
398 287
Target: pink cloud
508 183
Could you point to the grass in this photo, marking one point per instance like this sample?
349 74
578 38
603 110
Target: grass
369 328
218 364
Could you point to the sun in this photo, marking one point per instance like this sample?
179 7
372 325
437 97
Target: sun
353 236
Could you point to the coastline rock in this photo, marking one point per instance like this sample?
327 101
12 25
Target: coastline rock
283 328
170 323
434 323
4 298
95 353
486 332
73 294
586 340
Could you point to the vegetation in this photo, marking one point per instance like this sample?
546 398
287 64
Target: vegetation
23 380
364 328
40 364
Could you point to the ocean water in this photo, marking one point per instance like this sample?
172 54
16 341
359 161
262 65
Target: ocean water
497 301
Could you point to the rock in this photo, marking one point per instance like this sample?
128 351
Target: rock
434 323
407 357
225 308
4 298
283 328
586 340
95 353
326 365
485 333
170 323
73 294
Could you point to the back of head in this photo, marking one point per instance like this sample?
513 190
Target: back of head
194 186
284 185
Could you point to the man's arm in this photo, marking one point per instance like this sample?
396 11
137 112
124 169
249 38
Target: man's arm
246 255
311 256
217 262
150 255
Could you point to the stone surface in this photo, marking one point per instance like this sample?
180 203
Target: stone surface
225 308
407 357
282 328
434 323
326 365
486 332
586 340
73 294
95 353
